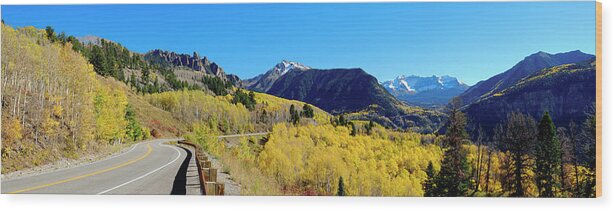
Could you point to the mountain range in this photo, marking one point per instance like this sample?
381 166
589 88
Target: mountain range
349 91
425 91
529 65
563 84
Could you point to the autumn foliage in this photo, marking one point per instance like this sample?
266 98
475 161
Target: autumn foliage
53 104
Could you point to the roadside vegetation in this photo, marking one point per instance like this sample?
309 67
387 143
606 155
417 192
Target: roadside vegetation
65 99
54 106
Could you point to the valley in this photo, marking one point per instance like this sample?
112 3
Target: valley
326 132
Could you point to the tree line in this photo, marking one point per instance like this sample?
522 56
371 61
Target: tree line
114 60
535 159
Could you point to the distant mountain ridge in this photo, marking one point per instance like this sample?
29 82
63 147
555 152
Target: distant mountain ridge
263 82
194 62
566 91
425 91
334 90
529 65
355 93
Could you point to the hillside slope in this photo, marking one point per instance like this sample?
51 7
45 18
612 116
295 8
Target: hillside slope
565 91
335 90
53 104
528 66
353 92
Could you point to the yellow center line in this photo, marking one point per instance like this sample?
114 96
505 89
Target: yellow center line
149 151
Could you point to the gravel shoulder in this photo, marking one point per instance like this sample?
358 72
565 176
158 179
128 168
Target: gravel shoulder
66 163
230 186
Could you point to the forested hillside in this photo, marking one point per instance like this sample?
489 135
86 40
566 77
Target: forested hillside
528 66
566 91
53 105
65 99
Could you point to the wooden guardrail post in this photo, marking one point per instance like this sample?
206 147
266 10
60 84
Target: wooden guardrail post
208 176
205 164
219 188
213 174
210 188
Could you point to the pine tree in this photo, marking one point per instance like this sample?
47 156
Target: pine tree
133 80
308 111
134 132
353 132
294 115
518 138
453 177
429 185
340 187
97 58
264 116
588 188
548 157
50 33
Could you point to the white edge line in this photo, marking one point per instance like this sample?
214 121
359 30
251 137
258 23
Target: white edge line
147 174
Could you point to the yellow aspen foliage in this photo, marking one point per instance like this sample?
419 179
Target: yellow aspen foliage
195 106
110 110
207 137
49 89
11 134
311 158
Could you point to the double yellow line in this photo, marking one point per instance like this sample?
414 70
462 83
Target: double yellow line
149 151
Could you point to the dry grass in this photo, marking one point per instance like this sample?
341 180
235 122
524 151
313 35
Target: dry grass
253 181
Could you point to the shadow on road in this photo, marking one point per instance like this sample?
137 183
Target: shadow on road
179 184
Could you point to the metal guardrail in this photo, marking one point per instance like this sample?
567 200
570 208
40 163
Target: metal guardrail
208 176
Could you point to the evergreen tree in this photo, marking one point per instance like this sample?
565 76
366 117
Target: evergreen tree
99 62
429 185
241 97
518 138
264 116
588 188
340 121
217 85
133 80
548 157
453 177
308 111
340 187
134 132
50 33
294 115
62 38
353 132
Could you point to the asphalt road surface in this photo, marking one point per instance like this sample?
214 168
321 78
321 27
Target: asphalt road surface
151 167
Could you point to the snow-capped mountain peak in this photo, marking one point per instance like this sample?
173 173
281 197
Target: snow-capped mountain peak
286 66
404 87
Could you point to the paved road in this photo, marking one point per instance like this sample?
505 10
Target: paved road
151 167
241 135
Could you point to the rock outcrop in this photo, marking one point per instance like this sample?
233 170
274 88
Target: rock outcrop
194 62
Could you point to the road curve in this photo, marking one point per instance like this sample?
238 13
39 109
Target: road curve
242 135
151 167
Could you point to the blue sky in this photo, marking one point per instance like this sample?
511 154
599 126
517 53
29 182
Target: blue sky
471 41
